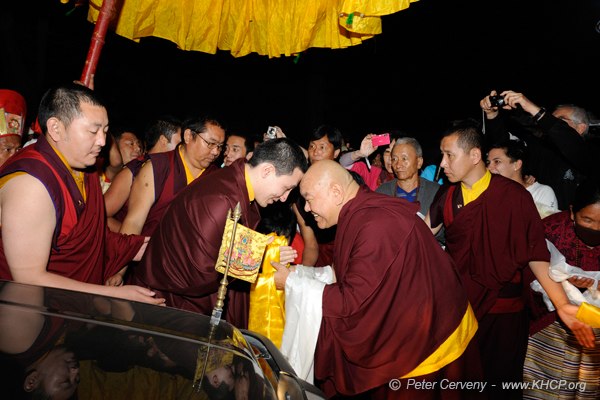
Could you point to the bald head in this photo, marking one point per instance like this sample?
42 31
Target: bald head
327 187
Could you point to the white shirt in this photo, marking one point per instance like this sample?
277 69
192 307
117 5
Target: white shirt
544 198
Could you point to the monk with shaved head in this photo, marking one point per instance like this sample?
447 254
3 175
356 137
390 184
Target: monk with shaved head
334 187
395 310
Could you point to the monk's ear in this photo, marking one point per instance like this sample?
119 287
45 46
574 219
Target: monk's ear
267 169
336 153
475 155
249 155
419 162
337 192
53 127
188 136
32 381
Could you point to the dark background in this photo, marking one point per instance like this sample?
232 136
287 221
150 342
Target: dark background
432 64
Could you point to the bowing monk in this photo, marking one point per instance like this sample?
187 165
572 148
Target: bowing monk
53 225
180 261
397 309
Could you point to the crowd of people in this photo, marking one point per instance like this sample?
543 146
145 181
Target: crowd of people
380 271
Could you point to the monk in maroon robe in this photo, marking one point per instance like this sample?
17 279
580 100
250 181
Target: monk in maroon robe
493 232
180 261
53 228
162 135
161 179
397 300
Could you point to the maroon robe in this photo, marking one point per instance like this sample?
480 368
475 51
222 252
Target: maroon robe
169 180
83 248
492 240
397 297
179 263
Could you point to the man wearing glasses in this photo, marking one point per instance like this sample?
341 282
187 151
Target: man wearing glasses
166 174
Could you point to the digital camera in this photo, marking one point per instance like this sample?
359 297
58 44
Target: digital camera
497 101
380 140
271 132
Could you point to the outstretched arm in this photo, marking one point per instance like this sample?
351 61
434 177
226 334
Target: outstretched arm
566 311
366 149
28 217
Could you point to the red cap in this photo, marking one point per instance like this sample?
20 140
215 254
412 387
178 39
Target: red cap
14 111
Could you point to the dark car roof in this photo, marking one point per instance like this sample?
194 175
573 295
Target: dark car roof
118 338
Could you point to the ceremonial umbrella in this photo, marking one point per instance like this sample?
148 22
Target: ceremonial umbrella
268 27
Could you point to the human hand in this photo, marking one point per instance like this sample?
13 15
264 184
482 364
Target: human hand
287 254
138 293
512 99
486 106
583 332
279 132
581 281
115 280
366 146
280 276
529 180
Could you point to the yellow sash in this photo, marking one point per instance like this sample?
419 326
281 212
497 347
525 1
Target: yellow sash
451 349
267 304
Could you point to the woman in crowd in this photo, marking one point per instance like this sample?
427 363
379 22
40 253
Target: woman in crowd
554 354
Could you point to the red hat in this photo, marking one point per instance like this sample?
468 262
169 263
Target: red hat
13 111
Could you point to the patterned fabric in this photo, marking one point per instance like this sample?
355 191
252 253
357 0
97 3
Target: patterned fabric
557 367
560 231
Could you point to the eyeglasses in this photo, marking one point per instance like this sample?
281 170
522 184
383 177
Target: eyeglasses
211 145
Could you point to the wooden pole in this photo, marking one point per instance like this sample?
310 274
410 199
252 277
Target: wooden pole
107 11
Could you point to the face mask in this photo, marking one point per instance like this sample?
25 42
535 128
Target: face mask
590 237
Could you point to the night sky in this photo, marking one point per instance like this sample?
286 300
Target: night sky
432 64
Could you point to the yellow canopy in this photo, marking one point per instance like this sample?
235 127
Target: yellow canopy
266 27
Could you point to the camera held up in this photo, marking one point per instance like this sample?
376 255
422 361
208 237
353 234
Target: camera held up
497 101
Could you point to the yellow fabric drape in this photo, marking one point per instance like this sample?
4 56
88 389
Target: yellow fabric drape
454 346
266 27
589 314
267 304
